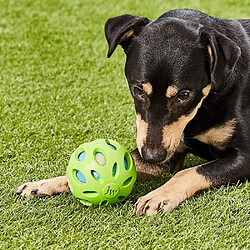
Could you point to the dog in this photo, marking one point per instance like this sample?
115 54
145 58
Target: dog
188 74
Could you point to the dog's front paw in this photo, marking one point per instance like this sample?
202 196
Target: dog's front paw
33 189
44 187
155 201
180 187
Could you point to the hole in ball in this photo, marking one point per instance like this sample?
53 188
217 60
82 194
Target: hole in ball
104 203
85 202
127 182
114 169
111 145
121 198
90 193
125 163
80 176
81 156
95 175
99 156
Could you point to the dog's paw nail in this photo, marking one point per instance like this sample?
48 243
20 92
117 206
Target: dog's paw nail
165 203
34 191
21 189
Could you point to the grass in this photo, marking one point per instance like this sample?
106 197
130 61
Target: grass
58 90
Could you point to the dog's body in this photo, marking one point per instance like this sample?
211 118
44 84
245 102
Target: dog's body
189 74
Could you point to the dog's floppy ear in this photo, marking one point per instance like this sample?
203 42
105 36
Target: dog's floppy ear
223 52
120 29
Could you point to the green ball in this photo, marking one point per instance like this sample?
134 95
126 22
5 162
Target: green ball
101 172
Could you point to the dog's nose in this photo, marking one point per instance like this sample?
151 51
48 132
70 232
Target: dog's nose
154 156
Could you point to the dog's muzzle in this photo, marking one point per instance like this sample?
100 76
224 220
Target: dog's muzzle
154 156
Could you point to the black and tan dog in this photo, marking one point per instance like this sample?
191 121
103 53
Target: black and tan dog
189 75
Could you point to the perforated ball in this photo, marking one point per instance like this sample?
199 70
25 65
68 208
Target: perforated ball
101 172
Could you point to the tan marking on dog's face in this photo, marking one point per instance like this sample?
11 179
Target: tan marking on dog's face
206 91
128 34
147 87
210 52
141 136
171 91
172 133
219 135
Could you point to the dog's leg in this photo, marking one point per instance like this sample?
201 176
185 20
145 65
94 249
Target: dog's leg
145 170
188 182
44 187
60 184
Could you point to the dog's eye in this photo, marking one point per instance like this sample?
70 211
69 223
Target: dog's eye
183 95
138 92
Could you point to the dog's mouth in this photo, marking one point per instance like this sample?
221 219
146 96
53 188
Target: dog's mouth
158 158
161 155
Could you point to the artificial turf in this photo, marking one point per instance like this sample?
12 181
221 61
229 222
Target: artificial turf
58 90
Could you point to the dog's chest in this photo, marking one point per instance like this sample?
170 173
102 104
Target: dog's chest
218 136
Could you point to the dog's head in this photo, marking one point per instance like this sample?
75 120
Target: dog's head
171 67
